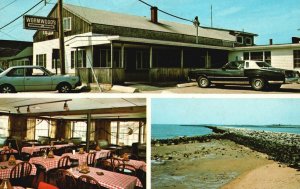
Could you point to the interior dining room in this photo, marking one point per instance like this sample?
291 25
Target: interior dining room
73 143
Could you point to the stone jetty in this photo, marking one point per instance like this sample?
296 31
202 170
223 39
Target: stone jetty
283 147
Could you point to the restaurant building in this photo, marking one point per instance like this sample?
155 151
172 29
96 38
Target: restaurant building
114 48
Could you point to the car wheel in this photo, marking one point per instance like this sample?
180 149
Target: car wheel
7 89
203 82
64 88
274 86
258 84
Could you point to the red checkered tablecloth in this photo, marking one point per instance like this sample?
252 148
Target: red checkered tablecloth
30 150
5 151
5 173
80 157
48 163
110 179
18 187
136 164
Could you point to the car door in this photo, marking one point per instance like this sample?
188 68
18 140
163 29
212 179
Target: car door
37 79
16 78
233 73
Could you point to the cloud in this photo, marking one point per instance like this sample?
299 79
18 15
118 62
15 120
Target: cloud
229 11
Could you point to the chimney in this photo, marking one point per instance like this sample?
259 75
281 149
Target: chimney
154 14
271 42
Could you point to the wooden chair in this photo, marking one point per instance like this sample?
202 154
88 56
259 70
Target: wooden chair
88 182
90 159
20 174
68 150
126 169
65 180
43 185
63 163
105 164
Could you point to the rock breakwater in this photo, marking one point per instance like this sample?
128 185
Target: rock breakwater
283 147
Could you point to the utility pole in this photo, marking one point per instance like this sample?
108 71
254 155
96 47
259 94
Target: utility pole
61 37
196 24
211 17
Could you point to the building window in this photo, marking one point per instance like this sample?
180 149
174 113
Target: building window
296 58
81 59
42 128
257 56
104 58
4 120
67 24
260 56
240 39
41 60
246 55
142 60
79 129
248 41
128 132
268 57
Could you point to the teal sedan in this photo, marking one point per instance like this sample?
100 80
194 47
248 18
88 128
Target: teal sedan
35 78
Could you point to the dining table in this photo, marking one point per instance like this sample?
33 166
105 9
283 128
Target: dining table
109 179
82 157
5 169
47 162
31 149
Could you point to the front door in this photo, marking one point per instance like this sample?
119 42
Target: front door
233 73
37 80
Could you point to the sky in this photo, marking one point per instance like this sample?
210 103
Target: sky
225 111
276 19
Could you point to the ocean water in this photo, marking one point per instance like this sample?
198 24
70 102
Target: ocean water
163 131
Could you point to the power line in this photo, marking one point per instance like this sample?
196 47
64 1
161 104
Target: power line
21 15
7 5
165 12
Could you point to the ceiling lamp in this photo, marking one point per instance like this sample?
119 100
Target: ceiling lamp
28 109
66 107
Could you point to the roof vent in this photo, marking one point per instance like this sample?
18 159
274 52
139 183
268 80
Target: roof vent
154 14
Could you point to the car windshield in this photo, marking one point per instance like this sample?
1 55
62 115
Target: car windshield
47 71
263 64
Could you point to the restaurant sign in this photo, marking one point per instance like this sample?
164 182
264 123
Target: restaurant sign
40 23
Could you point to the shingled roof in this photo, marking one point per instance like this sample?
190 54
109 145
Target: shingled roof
94 16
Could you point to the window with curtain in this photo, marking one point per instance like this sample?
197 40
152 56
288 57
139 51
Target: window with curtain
4 120
30 129
79 129
42 128
128 132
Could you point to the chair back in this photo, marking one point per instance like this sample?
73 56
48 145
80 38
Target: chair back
126 169
68 150
88 182
64 162
90 159
20 170
65 180
44 185
106 165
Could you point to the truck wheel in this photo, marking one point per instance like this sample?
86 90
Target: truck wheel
7 89
203 82
64 88
258 84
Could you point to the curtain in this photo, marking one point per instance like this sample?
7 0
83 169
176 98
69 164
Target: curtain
102 130
52 128
92 135
68 129
31 123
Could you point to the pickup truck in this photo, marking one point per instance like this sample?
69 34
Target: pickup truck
260 75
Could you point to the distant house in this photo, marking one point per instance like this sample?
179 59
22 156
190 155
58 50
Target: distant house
114 48
285 56
15 53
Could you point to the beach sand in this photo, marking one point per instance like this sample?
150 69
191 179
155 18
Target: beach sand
217 164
